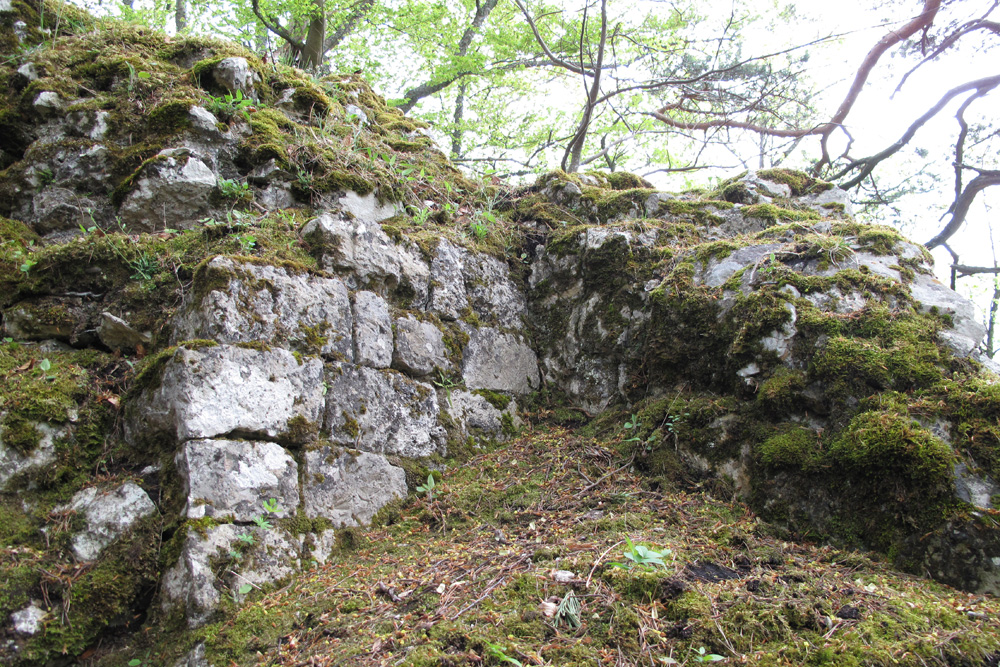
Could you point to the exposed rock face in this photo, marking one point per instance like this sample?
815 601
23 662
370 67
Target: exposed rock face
228 390
759 335
225 478
171 192
108 515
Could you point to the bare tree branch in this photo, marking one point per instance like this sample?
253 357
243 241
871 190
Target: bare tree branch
347 26
984 179
545 47
275 27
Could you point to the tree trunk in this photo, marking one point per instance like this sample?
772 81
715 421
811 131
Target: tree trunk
456 132
312 54
180 15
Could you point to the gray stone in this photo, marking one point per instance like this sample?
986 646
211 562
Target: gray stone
6 6
233 477
57 209
655 202
349 487
499 361
108 516
474 414
117 334
26 73
367 209
978 490
48 104
204 121
448 299
235 74
172 191
237 302
419 347
13 462
28 621
493 295
830 202
765 189
194 658
718 271
383 412
231 391
365 251
968 331
353 111
372 331
193 587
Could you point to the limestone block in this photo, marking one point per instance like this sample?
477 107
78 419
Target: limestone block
499 361
372 331
419 347
383 412
348 487
227 390
108 515
172 191
233 477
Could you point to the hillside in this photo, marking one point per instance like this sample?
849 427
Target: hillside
280 385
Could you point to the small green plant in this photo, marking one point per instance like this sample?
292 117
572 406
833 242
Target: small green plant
45 366
497 652
26 262
428 487
641 555
633 425
45 177
262 523
230 105
270 505
447 384
144 267
421 214
569 610
703 656
233 189
247 243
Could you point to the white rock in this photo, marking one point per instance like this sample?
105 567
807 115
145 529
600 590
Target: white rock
172 191
232 478
108 514
382 411
372 331
192 586
349 487
235 74
419 347
48 103
968 331
252 302
13 462
28 621
499 361
448 299
226 390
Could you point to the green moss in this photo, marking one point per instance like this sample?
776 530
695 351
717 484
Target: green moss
20 434
800 183
795 447
623 180
497 399
773 213
300 430
170 117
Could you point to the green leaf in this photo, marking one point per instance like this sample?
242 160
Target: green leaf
245 588
45 364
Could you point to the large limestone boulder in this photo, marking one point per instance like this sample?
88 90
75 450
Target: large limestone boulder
233 301
382 411
172 190
232 391
348 486
229 478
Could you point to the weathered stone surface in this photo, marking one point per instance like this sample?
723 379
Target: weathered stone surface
973 488
448 299
48 103
968 331
419 347
191 584
227 390
367 208
108 514
13 462
372 331
347 486
235 74
382 411
117 334
57 209
28 621
360 247
172 191
718 271
499 361
194 658
492 293
235 302
476 415
25 74
232 478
